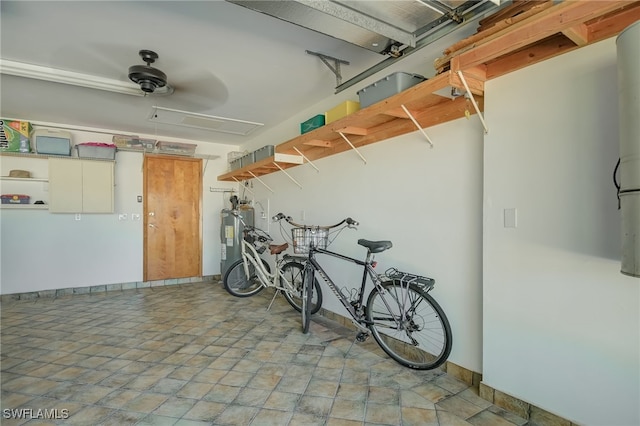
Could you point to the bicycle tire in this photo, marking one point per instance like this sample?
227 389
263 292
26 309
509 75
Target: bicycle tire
307 296
294 274
423 340
236 282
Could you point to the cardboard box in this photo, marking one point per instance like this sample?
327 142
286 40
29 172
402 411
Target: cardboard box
15 136
340 111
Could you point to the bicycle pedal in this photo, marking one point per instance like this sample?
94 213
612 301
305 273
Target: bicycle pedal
361 337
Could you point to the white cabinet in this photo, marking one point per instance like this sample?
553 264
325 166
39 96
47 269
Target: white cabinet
80 186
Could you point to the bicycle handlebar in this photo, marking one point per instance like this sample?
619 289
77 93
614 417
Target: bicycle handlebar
350 222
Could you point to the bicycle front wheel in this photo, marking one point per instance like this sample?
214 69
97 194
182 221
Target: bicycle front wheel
409 325
238 284
293 272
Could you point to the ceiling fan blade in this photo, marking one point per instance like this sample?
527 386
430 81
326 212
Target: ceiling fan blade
198 92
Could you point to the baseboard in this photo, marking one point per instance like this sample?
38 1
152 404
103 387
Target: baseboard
533 414
101 289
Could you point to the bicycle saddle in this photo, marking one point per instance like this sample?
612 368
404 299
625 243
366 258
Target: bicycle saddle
277 249
375 246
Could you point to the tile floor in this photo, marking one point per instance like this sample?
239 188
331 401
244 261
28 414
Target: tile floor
191 354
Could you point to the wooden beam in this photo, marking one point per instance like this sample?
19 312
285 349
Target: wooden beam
578 34
542 25
546 49
612 24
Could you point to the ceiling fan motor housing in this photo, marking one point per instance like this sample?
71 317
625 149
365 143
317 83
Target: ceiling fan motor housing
148 77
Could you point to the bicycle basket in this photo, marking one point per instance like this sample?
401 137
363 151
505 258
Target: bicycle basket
305 238
253 238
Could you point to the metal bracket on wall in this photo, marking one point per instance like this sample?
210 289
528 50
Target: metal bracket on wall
406 111
306 159
288 175
336 64
473 101
353 147
260 180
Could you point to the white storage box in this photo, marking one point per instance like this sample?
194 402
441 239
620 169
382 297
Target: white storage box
52 142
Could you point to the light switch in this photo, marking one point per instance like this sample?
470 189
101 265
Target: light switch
511 218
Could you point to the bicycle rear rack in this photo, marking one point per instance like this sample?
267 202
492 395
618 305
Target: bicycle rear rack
406 278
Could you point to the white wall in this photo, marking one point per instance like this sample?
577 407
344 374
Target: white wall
426 201
44 251
561 324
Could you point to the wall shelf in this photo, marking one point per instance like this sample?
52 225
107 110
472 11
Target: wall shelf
429 102
511 40
23 179
24 206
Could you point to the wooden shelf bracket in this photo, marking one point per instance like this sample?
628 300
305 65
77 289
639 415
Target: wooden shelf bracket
261 181
288 175
406 111
353 147
306 159
473 101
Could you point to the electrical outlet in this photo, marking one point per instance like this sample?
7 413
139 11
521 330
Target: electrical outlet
78 216
135 216
122 216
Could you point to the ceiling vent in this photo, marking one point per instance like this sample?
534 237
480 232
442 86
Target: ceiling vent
202 121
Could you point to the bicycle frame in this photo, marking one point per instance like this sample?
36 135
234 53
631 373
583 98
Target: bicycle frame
368 271
267 279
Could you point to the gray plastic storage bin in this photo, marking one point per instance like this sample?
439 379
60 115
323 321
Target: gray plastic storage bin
262 153
388 86
94 151
247 159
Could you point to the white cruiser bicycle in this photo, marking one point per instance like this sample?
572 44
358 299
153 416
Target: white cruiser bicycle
251 274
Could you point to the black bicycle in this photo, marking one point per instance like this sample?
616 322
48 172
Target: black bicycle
405 320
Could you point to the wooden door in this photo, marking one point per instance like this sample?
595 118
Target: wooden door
172 211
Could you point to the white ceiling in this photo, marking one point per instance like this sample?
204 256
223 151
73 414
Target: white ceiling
223 60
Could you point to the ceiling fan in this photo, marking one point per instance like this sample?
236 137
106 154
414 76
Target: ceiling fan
150 79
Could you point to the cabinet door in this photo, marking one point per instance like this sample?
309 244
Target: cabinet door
65 185
80 186
97 186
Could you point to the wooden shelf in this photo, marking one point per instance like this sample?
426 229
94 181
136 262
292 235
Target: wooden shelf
429 103
513 39
24 206
23 179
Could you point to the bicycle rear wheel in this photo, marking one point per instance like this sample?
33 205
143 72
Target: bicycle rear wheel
409 325
307 297
294 273
238 284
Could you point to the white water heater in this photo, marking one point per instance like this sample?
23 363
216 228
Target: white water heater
628 52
